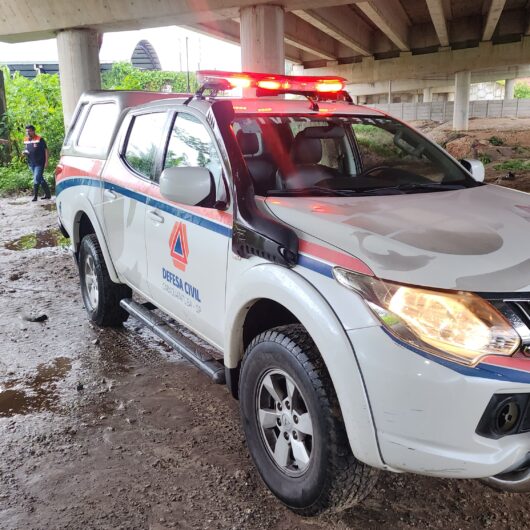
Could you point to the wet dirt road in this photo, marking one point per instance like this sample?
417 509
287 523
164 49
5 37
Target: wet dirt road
108 429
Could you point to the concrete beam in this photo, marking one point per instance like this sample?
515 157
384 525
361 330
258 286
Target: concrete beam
436 10
24 20
441 84
229 31
225 30
486 56
492 18
390 17
343 24
302 35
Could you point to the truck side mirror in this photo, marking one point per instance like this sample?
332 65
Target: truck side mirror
187 185
475 167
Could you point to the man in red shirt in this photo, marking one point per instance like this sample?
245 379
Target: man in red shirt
36 151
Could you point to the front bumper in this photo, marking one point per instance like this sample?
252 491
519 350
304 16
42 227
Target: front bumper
426 410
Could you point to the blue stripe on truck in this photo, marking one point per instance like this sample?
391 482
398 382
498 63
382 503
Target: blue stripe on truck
145 199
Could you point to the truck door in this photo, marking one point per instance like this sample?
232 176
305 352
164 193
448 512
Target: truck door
187 246
126 180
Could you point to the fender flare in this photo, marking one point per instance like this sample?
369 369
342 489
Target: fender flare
84 206
299 296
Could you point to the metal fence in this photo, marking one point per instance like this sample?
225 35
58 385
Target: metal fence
443 111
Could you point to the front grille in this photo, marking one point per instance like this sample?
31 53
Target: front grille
508 414
522 308
517 311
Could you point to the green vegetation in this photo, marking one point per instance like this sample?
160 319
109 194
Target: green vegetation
375 140
124 76
38 101
485 159
16 177
522 151
40 239
513 165
522 90
495 140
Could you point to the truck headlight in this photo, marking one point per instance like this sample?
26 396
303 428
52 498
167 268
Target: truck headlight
456 325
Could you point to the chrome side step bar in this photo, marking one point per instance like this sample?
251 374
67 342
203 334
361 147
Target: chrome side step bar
202 360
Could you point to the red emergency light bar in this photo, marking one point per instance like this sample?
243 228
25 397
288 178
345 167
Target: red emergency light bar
273 83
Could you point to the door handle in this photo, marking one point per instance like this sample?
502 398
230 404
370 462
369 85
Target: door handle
110 194
155 216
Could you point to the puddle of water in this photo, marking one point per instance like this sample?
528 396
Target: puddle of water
50 207
40 239
35 394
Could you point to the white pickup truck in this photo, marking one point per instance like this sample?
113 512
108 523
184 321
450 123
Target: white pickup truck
363 294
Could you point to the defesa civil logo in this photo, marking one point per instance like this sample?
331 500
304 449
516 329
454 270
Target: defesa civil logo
178 246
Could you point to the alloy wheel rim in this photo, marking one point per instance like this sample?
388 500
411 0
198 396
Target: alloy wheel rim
91 282
285 423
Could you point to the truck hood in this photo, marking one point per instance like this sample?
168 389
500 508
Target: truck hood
476 239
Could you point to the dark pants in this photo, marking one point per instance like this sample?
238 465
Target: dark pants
38 178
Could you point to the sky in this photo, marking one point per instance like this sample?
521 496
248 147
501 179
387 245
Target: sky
169 42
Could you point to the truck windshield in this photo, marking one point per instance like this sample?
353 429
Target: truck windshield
343 155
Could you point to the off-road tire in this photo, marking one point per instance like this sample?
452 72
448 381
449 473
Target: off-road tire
335 479
107 312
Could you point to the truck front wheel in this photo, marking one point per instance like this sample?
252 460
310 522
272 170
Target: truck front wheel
101 295
293 425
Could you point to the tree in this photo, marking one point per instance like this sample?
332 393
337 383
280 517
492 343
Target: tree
33 101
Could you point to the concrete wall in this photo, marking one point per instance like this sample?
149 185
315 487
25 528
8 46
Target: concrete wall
443 111
479 92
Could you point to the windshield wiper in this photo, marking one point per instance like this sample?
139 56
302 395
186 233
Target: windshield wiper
312 191
415 186
399 189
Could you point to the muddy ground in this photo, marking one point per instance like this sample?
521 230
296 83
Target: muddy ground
107 429
495 142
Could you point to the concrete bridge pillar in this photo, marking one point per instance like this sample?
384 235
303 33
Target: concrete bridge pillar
262 33
461 110
79 69
509 89
427 95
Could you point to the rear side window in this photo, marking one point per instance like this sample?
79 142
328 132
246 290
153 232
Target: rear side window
75 124
144 138
98 127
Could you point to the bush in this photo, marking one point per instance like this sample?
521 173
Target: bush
522 90
14 178
17 177
124 76
513 165
495 140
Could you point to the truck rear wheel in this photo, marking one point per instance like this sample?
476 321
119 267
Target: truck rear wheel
101 295
293 425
